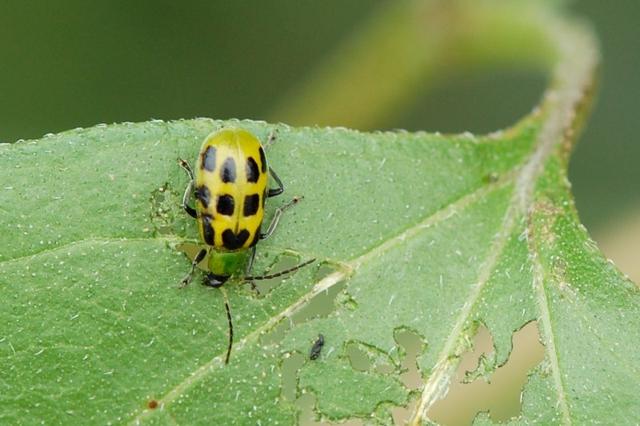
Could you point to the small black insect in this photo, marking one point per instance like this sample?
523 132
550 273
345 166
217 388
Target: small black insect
314 353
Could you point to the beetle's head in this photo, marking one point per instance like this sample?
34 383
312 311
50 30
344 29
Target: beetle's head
213 280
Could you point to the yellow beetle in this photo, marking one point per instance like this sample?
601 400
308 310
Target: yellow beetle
231 187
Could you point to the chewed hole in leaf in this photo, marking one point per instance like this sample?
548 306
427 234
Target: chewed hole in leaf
309 417
165 211
479 361
412 345
358 357
280 263
319 306
290 366
373 370
191 251
368 358
304 401
477 389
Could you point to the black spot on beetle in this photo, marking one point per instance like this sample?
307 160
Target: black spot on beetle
209 159
207 230
203 194
228 170
234 241
263 160
225 205
253 174
251 203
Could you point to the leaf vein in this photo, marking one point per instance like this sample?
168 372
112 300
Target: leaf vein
91 240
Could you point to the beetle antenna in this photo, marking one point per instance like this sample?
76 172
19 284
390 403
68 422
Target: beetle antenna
278 274
226 306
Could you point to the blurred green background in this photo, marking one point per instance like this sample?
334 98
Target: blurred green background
76 63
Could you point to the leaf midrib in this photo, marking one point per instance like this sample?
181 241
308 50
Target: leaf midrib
562 105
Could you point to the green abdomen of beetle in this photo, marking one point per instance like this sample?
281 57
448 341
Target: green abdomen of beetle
226 264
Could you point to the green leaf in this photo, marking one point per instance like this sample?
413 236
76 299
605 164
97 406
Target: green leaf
419 233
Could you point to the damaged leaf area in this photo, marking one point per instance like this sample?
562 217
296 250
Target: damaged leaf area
420 238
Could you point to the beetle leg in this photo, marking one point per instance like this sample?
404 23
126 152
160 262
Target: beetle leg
283 272
273 135
188 190
280 189
186 167
185 199
252 257
187 279
276 191
276 217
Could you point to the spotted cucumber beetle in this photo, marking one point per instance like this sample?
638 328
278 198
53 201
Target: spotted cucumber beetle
230 188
